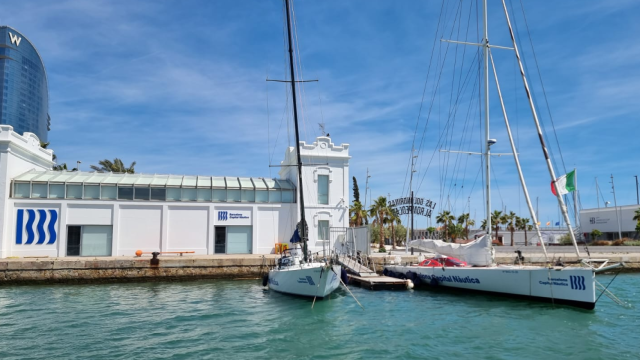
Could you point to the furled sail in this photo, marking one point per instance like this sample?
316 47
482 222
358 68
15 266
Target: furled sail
476 253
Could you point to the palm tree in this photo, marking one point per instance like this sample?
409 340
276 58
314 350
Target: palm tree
455 231
524 225
511 221
495 221
470 222
393 218
116 166
464 219
379 210
636 217
62 167
483 225
445 218
357 214
45 145
504 220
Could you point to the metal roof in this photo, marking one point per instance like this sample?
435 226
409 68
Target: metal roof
202 182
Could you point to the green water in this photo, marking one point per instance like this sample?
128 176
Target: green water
239 320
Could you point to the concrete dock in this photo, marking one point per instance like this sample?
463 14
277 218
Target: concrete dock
43 270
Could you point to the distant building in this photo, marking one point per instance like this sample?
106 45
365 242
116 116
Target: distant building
23 85
606 220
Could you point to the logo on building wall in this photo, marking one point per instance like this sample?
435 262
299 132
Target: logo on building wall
592 220
25 220
15 39
577 282
222 216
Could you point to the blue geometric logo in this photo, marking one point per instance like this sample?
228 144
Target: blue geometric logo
577 282
39 235
222 215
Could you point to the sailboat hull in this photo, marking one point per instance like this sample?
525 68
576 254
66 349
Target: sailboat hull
309 280
569 286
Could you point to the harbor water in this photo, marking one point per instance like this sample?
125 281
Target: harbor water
218 319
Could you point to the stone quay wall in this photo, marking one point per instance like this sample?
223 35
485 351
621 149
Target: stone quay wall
127 269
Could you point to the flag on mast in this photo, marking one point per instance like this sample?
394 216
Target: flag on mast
566 183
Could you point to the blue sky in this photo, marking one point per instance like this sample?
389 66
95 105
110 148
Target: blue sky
180 88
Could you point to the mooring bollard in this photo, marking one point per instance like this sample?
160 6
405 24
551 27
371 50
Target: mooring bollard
154 260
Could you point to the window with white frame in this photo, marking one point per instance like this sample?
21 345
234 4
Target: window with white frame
323 189
323 229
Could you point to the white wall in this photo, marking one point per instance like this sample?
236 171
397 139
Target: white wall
331 160
18 154
172 226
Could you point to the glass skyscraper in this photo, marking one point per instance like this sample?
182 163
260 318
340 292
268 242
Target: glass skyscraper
23 85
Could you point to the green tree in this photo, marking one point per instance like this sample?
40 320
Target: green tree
116 166
62 167
379 211
393 218
636 217
445 218
483 224
430 231
523 224
495 221
356 191
511 224
357 214
455 231
464 219
45 145
595 234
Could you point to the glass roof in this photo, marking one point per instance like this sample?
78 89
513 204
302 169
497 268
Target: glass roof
246 183
75 177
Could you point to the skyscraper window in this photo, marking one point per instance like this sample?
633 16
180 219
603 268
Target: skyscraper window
24 89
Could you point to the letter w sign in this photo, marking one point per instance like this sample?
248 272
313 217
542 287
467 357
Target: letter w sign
15 39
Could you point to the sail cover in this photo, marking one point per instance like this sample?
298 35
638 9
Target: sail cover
476 253
295 238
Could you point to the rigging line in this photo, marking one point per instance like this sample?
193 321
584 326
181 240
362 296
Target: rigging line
424 90
544 92
495 181
440 139
436 86
533 97
458 155
466 161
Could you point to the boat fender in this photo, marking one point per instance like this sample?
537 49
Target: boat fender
433 282
265 280
385 272
409 284
344 276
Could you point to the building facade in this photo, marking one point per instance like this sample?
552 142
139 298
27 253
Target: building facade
610 221
23 85
60 213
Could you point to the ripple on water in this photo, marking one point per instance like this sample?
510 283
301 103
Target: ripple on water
238 319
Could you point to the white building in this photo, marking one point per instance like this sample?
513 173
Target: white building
54 213
611 221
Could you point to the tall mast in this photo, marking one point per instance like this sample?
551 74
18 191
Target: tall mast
563 207
303 230
487 158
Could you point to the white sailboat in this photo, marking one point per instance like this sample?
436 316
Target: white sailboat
296 272
575 286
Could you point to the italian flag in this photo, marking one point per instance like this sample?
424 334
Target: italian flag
566 183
